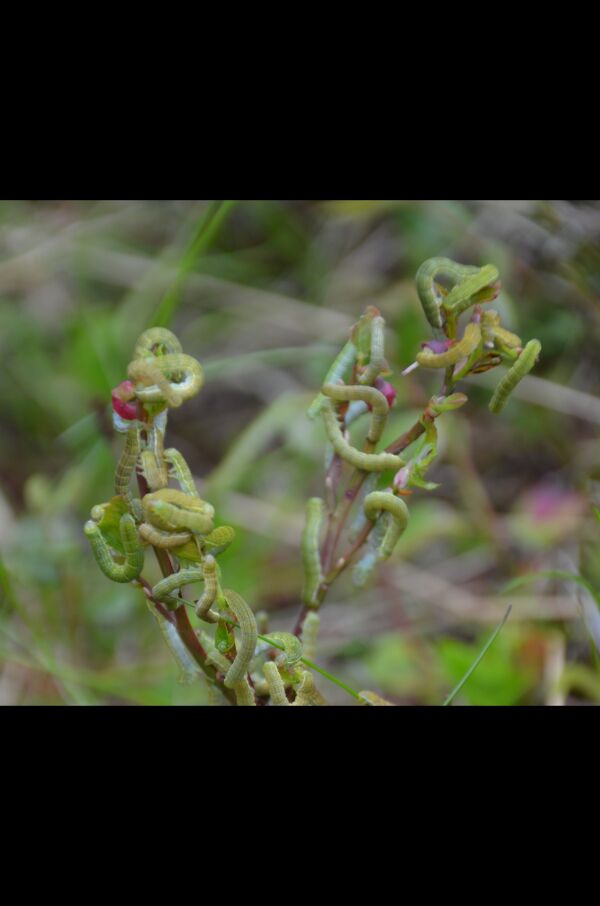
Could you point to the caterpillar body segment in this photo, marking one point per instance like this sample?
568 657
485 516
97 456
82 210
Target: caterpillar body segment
249 637
307 693
426 288
172 511
369 395
311 557
368 462
340 370
211 587
469 343
292 645
180 471
377 362
126 464
275 684
521 367
171 379
460 296
133 564
161 538
163 590
156 341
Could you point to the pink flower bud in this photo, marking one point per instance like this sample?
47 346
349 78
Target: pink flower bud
438 346
387 389
121 396
401 478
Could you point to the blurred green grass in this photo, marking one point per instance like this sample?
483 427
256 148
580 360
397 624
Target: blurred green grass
263 293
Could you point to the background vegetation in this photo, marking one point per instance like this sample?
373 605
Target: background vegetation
263 294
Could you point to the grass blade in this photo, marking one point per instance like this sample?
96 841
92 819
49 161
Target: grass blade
478 659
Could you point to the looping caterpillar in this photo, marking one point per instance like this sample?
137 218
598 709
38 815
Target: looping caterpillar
153 465
219 539
134 552
426 288
160 538
180 471
340 369
390 515
156 341
460 297
243 691
521 367
470 341
368 462
311 557
377 362
162 591
492 332
439 404
172 511
275 684
249 637
307 693
153 375
292 645
126 465
369 395
211 587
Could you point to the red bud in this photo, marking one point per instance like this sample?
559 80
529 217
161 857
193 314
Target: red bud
121 396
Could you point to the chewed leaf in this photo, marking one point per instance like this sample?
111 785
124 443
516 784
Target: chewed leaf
109 523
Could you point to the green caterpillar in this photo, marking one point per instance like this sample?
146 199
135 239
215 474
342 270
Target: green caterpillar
153 374
211 587
460 297
521 367
470 341
339 371
307 693
292 645
154 467
134 551
368 462
156 341
126 465
243 691
426 288
384 501
159 538
162 591
492 331
377 361
249 637
172 511
369 395
311 557
275 684
180 471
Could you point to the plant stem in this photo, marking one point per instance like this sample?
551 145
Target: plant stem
179 617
